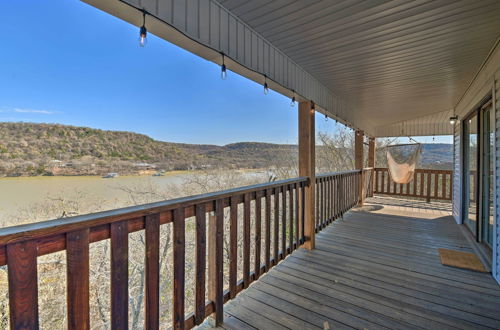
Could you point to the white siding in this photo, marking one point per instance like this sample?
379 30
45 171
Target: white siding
496 233
434 124
486 82
457 174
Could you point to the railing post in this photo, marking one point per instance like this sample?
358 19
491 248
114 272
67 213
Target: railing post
371 163
307 145
358 163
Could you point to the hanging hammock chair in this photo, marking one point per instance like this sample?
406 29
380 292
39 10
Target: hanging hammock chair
403 172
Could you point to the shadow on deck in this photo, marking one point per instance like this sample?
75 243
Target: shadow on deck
372 270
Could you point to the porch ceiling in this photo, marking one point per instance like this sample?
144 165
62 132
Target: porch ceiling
391 60
372 64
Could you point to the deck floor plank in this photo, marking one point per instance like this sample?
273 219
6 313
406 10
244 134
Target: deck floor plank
376 271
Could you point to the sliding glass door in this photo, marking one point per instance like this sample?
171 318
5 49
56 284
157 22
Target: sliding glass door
478 165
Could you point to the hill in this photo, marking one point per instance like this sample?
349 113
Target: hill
54 149
37 149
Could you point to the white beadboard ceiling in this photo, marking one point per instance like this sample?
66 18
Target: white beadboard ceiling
372 63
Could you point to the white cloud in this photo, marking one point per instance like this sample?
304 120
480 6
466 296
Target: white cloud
22 110
44 112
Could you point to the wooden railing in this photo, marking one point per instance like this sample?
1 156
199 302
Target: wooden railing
426 183
336 193
272 223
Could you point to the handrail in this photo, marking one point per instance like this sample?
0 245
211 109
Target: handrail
322 175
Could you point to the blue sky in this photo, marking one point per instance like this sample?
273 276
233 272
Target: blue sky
76 65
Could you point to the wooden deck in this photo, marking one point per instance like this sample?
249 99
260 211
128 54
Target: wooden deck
371 270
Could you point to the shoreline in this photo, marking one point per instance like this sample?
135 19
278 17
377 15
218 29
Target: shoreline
150 174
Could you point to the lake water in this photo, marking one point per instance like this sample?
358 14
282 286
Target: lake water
20 193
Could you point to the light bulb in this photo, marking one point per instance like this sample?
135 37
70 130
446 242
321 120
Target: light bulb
143 36
326 118
223 72
292 104
266 88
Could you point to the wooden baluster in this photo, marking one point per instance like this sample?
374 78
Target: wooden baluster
347 195
422 185
152 270
342 188
290 207
201 262
325 203
297 210
233 247
302 212
77 293
322 214
322 196
246 240
258 217
337 195
343 196
415 185
276 224
23 285
318 204
179 268
330 200
375 172
428 187
325 210
119 275
443 185
216 261
436 184
388 182
268 229
283 222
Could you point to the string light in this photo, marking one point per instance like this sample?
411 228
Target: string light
143 32
223 72
292 103
453 120
266 88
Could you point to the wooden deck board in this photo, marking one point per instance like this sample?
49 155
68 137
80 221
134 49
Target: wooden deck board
376 271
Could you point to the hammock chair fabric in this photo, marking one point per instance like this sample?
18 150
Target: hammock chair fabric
403 172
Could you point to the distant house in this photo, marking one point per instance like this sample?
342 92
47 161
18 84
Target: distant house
145 166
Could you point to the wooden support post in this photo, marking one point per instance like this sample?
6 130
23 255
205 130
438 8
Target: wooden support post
358 162
371 163
307 144
215 262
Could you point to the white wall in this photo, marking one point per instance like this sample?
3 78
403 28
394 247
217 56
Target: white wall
486 82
